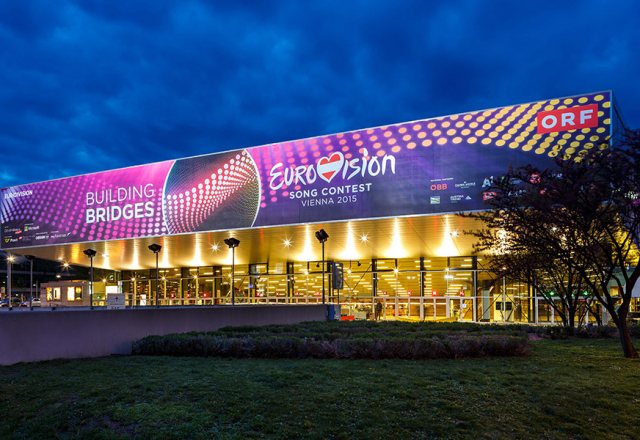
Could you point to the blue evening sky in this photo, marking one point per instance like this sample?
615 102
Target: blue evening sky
93 85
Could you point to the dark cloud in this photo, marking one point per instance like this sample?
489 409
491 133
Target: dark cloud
94 85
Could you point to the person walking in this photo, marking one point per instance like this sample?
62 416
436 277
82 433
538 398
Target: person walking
378 310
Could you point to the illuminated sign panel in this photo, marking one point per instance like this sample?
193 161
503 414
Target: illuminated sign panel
417 168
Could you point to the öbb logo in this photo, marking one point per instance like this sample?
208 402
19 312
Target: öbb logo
574 118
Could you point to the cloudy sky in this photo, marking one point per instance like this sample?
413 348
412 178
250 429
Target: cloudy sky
92 85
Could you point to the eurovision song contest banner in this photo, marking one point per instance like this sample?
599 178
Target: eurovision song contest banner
423 167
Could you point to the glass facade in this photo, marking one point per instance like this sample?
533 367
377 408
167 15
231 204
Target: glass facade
417 289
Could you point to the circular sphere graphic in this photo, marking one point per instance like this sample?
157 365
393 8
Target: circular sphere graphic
218 191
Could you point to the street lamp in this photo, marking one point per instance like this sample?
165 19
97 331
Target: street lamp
30 258
155 248
322 236
9 262
233 244
90 253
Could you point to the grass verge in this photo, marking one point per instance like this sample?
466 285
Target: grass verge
566 389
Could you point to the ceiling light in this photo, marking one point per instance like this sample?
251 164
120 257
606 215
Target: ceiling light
287 242
364 238
214 247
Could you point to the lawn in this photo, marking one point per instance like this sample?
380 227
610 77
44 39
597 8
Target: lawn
565 389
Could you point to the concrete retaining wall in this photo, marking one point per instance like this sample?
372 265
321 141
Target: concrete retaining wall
42 335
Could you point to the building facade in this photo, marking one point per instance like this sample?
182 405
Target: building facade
388 198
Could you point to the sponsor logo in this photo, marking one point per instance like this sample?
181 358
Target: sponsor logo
487 182
435 200
574 118
6 240
488 195
466 185
438 186
456 198
468 198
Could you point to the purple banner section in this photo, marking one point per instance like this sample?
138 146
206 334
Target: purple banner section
122 203
418 168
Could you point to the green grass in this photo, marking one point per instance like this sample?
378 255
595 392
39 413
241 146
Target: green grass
566 389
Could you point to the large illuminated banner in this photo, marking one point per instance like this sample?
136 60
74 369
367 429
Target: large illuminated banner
424 167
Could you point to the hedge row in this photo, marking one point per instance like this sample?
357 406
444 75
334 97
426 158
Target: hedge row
288 347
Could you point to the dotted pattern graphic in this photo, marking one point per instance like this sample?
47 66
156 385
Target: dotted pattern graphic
58 207
211 192
511 127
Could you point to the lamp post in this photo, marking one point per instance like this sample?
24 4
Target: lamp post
322 236
30 258
233 244
9 263
155 248
90 253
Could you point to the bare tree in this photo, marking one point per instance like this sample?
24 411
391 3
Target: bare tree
582 217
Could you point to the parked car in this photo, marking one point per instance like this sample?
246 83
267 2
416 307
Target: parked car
36 303
15 302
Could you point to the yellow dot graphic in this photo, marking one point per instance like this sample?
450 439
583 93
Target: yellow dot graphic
465 132
582 100
417 127
402 130
588 145
411 145
454 117
473 125
451 132
580 137
601 130
500 143
391 141
486 141
396 149
479 133
446 124
506 137
472 140
457 140
562 141
606 104
607 121
406 137
514 145
549 107
553 153
467 117
493 134
599 98
586 130
539 150
426 142
480 119
459 124
527 148
442 141
387 133
377 145
568 101
594 138
571 150
486 126
422 134
554 102
431 125
373 138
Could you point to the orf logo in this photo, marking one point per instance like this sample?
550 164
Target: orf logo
568 119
